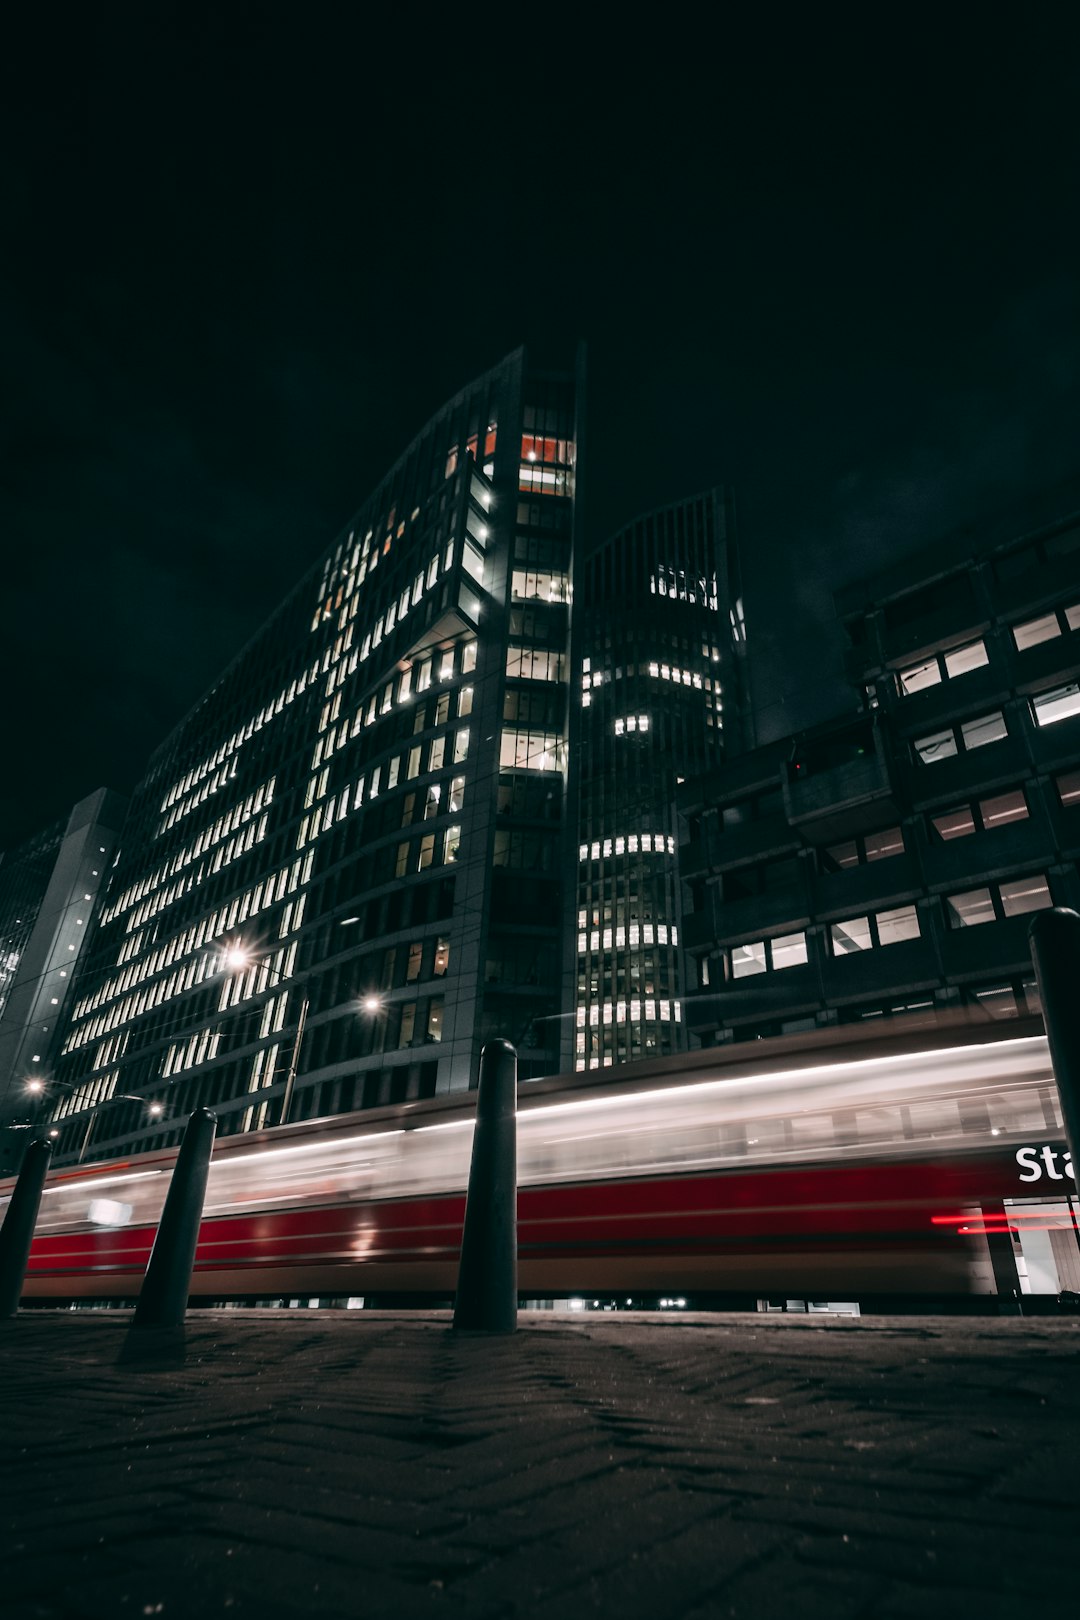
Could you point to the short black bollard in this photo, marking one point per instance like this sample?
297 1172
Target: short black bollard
164 1294
487 1276
17 1232
1055 951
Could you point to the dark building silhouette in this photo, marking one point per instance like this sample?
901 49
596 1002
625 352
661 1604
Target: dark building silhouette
889 862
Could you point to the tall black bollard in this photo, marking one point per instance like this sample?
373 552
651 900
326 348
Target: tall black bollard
487 1276
17 1232
164 1294
1055 950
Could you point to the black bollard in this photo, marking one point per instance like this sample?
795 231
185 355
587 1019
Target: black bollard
164 1294
487 1276
17 1232
1055 951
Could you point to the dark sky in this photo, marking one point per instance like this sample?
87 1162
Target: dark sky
246 252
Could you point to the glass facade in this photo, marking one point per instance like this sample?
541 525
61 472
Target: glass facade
659 638
341 874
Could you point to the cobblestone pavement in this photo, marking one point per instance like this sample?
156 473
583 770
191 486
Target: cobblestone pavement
364 1464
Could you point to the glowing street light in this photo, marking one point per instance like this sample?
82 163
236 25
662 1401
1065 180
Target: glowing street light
35 1086
371 1003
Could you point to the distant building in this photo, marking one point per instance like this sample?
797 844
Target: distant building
343 871
49 892
659 642
890 861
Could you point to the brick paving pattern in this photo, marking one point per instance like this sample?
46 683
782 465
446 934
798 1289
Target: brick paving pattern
280 1465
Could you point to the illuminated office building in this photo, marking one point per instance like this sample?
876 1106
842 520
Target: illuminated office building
49 893
341 874
889 862
659 645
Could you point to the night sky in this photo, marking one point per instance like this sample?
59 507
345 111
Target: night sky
247 252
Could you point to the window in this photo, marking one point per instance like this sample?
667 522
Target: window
1013 898
938 745
963 659
786 950
1002 808
1021 895
974 733
1068 786
882 928
853 935
442 957
408 1024
1033 631
876 846
748 959
985 728
1060 703
412 966
435 1019
985 814
969 909
451 844
901 923
942 667
427 852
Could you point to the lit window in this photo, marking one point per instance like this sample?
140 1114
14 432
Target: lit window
442 957
788 950
1025 894
841 856
969 909
408 1024
893 926
1060 703
436 753
1072 616
961 659
919 676
435 1019
451 845
985 728
465 702
748 959
1068 786
852 935
1003 808
880 845
938 745
1033 631
427 852
412 966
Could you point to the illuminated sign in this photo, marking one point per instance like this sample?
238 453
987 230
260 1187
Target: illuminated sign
1037 1162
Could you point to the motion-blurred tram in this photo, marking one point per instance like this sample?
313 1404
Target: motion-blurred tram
927 1163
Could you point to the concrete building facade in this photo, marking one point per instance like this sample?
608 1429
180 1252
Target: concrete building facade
889 861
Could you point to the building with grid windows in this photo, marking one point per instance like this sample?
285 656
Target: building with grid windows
658 646
889 862
49 893
341 874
